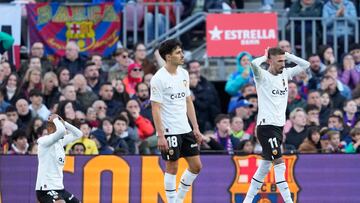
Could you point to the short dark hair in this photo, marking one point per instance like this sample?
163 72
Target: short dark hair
190 62
221 117
354 131
140 83
275 51
311 107
121 118
19 133
10 108
314 55
168 46
78 143
89 63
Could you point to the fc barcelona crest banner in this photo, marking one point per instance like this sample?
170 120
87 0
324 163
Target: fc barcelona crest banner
94 27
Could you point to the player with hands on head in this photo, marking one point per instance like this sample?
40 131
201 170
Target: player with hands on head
171 107
272 91
51 158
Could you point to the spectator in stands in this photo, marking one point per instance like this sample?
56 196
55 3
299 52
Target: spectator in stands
223 134
246 147
201 99
37 106
84 94
120 69
243 109
350 75
326 53
66 110
37 49
72 60
100 108
355 52
351 114
145 128
237 128
13 116
332 71
34 62
91 117
147 78
209 144
246 90
11 87
31 129
89 145
134 76
143 98
6 68
32 80
339 9
312 112
315 72
312 142
140 58
353 147
98 136
3 104
69 93
7 130
324 140
194 66
63 75
119 91
2 74
22 107
91 74
125 136
335 146
328 84
241 76
50 89
106 94
19 144
100 66
297 133
325 100
335 122
77 149
294 99
314 99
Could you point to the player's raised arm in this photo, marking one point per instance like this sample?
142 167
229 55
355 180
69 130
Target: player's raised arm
55 136
74 134
302 64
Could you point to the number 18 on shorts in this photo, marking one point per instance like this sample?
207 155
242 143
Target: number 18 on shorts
183 145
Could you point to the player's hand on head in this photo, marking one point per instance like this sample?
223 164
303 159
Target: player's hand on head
162 144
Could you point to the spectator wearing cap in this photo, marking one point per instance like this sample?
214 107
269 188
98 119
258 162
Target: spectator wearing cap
3 103
72 59
336 122
120 69
25 114
354 146
37 107
194 66
134 76
246 90
294 98
92 74
312 142
242 109
298 132
107 94
241 76
19 144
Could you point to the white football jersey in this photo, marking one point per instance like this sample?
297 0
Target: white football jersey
51 156
272 90
171 92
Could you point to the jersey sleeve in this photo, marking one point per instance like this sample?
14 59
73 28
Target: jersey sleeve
302 65
47 141
257 70
156 90
74 134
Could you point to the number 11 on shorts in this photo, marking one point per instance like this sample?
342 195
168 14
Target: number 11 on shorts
273 142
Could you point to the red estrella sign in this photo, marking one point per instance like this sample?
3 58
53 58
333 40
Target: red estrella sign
229 34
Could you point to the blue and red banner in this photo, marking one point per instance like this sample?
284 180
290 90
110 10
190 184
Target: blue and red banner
94 27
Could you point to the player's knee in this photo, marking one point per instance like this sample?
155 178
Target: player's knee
172 168
196 168
278 161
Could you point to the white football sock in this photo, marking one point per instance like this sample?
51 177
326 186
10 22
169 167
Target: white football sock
170 187
186 181
281 182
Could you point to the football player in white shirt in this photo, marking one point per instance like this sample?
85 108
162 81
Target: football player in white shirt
272 90
51 157
171 107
